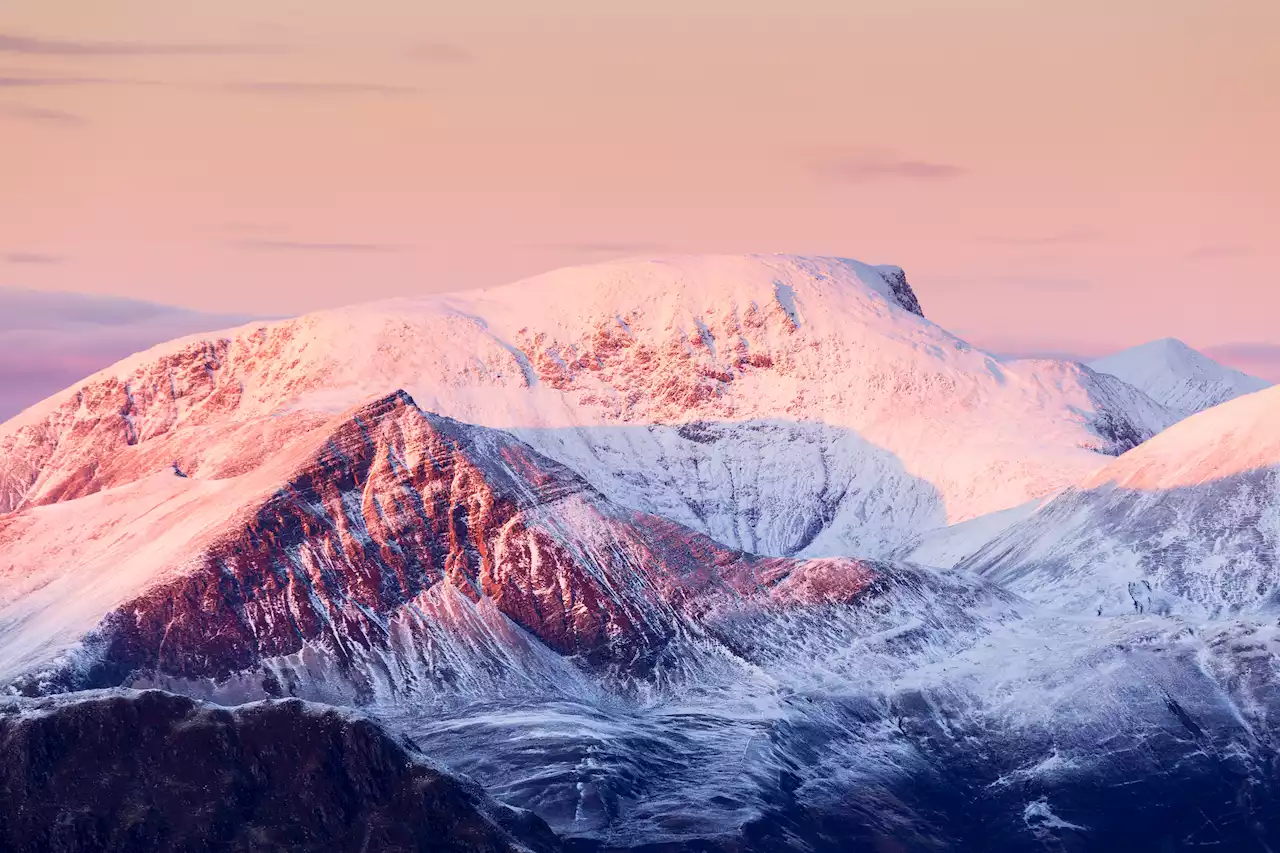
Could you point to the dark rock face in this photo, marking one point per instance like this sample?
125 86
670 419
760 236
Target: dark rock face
902 292
150 771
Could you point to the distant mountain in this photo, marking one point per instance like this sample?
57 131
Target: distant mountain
1178 377
781 405
1188 523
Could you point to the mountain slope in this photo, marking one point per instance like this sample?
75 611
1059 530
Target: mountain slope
781 405
400 551
1188 523
1178 377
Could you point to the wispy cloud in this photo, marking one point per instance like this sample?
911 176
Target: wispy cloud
37 46
1259 358
1214 251
35 81
1064 238
32 258
303 88
282 88
39 115
606 247
439 51
866 168
308 246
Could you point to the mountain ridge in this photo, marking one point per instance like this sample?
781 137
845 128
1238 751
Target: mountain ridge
610 370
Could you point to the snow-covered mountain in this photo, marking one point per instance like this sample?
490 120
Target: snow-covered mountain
627 544
1178 377
400 552
781 405
1187 523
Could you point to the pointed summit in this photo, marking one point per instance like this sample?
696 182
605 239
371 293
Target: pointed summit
1179 377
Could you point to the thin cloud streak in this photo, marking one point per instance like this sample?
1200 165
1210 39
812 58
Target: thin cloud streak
37 46
1258 358
33 258
30 82
40 115
286 87
283 88
1066 238
867 168
606 248
306 246
1213 252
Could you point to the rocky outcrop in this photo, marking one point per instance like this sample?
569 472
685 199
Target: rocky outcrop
150 771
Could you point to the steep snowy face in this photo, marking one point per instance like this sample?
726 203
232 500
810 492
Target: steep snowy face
781 405
1187 523
1179 377
401 551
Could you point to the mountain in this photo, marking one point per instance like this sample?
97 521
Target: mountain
1178 377
169 773
1187 523
400 551
780 405
632 547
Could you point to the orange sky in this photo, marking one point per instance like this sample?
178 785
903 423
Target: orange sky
1053 176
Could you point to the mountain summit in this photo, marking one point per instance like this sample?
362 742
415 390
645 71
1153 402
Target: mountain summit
1179 377
781 405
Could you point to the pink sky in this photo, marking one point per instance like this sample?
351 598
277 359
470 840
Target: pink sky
1053 176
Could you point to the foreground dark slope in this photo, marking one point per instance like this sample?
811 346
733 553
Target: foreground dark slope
142 772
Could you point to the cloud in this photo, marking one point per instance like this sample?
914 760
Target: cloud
32 258
287 87
49 341
27 81
1259 358
1218 250
1065 238
36 46
607 248
868 168
306 246
438 51
39 115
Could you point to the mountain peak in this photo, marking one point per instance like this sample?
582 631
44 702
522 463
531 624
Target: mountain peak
1178 376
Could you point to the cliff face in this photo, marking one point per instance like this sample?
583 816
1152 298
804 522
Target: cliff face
151 771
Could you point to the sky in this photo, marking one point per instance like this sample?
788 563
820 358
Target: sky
1054 177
